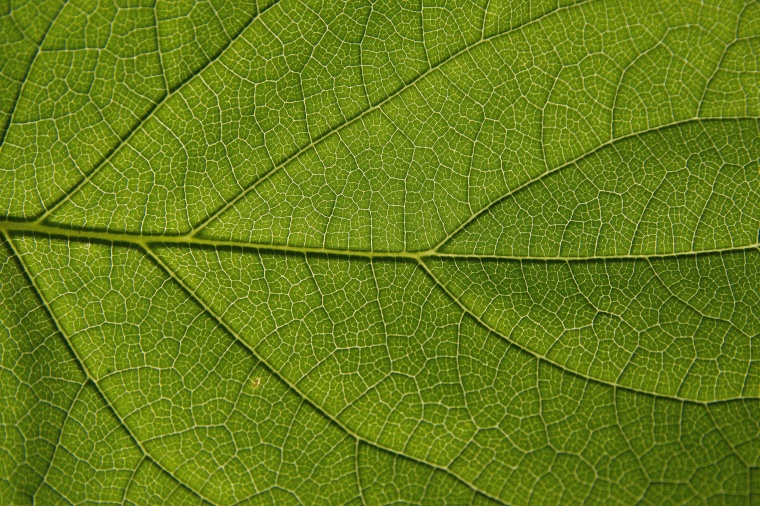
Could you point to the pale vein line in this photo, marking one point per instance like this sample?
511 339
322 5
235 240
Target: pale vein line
60 438
419 258
576 160
335 130
207 309
132 475
151 112
85 370
28 72
726 440
544 358
358 473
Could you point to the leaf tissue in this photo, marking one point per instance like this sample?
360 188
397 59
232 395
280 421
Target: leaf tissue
375 252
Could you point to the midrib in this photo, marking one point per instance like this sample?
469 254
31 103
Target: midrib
21 227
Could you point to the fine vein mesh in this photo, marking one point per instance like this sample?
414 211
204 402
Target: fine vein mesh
302 252
501 408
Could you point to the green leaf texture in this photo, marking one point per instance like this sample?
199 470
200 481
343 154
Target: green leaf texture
374 252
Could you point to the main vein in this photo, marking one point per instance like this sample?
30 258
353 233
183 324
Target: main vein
15 227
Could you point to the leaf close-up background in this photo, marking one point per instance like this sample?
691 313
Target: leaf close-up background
374 252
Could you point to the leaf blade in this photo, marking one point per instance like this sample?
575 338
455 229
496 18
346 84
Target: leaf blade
369 253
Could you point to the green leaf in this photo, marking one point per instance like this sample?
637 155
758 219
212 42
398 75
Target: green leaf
465 252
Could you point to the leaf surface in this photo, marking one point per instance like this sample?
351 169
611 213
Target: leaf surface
380 252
